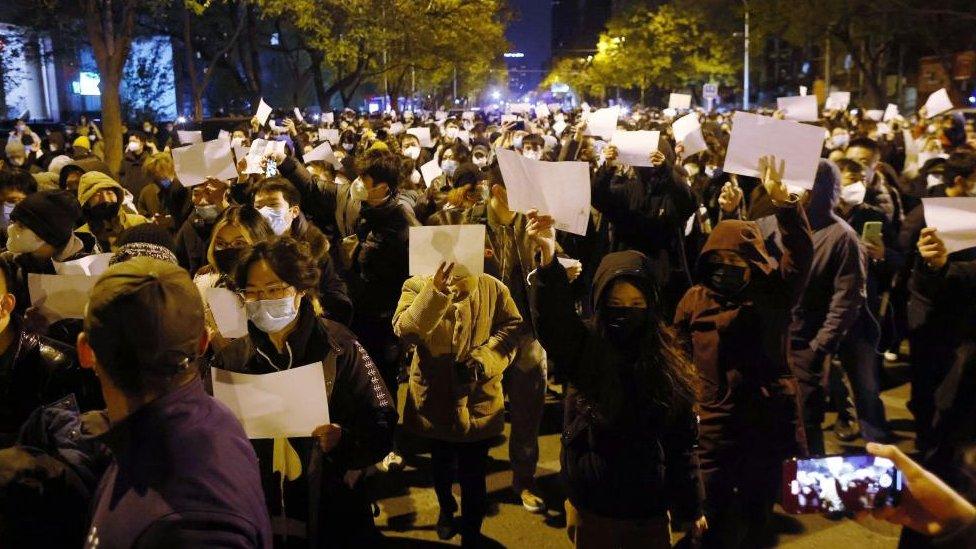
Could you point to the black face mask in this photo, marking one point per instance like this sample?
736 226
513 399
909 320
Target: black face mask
226 259
728 279
624 325
102 212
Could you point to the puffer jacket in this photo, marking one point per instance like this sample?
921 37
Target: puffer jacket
749 408
448 330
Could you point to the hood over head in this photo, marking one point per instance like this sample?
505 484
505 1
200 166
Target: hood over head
92 182
634 266
741 237
824 196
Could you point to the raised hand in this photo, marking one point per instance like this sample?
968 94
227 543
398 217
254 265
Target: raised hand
730 197
542 232
658 159
442 277
771 173
932 248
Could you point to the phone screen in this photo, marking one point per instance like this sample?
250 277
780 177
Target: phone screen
271 168
840 484
871 231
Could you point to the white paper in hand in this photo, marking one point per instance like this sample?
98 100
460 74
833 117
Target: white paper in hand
291 403
298 115
559 189
874 114
396 128
890 113
542 110
603 122
422 135
196 163
755 136
224 134
329 134
57 297
228 312
264 111
800 108
955 219
187 137
329 117
324 153
90 265
679 101
463 245
635 148
838 101
431 171
938 103
687 131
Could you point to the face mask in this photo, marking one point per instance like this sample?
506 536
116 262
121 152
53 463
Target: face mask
278 219
147 129
134 147
517 142
728 279
272 315
840 141
52 147
103 211
415 177
532 155
933 180
359 190
930 128
226 259
710 171
480 161
412 152
21 240
853 194
451 133
8 208
449 166
165 183
348 146
207 213
624 324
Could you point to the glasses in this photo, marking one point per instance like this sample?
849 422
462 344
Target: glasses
277 291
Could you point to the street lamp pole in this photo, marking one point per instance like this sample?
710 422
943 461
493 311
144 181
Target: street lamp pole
745 61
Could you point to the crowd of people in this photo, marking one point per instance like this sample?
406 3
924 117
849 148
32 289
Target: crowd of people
709 323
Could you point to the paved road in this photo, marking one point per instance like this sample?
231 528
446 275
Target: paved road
409 507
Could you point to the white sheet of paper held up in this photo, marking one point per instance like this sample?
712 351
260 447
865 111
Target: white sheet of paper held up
422 135
329 117
264 111
90 265
890 112
430 171
559 189
224 134
194 164
290 403
58 297
189 137
874 114
298 115
938 103
603 122
635 148
955 219
838 101
329 134
802 108
463 245
324 153
687 131
228 312
755 136
679 101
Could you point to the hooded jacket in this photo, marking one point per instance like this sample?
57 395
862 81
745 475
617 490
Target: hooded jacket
740 347
380 262
836 289
623 457
91 183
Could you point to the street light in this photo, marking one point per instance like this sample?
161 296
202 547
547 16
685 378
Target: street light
745 64
496 95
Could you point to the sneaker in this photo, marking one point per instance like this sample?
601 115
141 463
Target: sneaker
532 502
392 463
445 526
846 430
890 357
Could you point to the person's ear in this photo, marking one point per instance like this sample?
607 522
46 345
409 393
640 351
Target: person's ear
294 211
959 182
86 355
7 303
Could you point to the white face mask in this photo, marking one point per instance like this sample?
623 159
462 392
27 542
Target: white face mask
930 128
134 147
359 190
532 155
449 166
853 194
348 146
21 240
272 315
480 161
933 180
840 140
278 219
415 177
412 152
710 170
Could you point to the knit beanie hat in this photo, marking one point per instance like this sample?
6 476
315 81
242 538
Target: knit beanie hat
14 146
52 215
82 141
145 240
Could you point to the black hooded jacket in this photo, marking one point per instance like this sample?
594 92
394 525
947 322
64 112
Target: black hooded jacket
624 457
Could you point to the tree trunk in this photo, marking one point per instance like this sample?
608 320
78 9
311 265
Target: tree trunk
112 121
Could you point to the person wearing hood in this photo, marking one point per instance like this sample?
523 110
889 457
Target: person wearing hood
833 312
630 424
101 199
312 484
162 198
17 157
82 154
209 201
735 322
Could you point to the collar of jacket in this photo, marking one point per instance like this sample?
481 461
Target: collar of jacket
146 422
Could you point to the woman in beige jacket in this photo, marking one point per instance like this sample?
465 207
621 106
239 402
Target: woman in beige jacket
465 332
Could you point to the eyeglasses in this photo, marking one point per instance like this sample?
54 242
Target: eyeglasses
277 291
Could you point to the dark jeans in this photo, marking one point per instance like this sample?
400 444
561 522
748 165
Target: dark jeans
467 462
808 367
742 521
860 359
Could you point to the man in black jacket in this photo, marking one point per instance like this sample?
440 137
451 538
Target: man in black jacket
209 201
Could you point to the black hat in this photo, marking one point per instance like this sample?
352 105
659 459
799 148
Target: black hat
51 215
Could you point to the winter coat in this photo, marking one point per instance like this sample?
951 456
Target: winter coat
92 182
740 347
192 242
133 176
448 330
623 457
380 261
174 201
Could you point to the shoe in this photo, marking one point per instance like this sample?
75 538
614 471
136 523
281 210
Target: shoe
846 430
890 357
445 526
532 502
392 463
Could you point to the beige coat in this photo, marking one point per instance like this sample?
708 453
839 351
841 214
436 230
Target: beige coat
481 323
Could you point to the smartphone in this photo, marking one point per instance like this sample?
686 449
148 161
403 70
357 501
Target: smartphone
519 126
270 168
871 232
840 484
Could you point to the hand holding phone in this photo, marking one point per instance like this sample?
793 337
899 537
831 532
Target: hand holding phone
840 484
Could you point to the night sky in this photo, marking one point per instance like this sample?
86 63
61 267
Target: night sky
531 34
